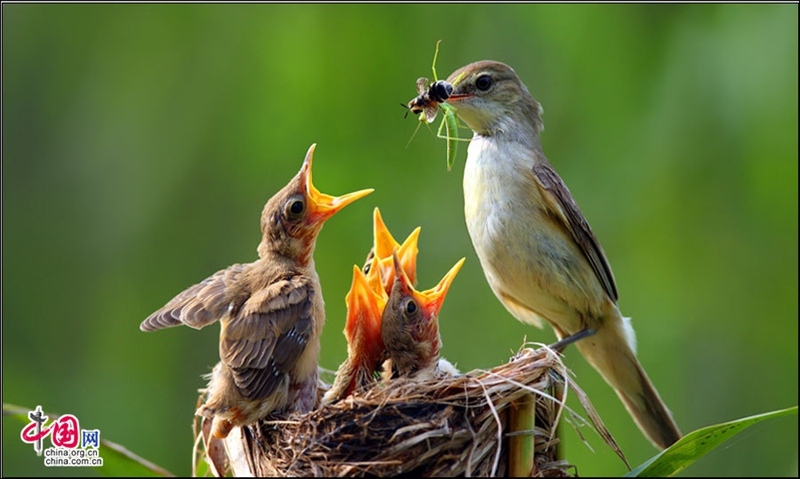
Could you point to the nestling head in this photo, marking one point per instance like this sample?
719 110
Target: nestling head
293 217
410 323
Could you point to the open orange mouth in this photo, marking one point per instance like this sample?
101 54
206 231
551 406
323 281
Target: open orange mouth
322 206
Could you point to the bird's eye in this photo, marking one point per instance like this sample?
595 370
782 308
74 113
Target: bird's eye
295 206
367 268
411 307
484 82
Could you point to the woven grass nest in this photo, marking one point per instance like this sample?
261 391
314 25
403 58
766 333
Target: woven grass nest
453 426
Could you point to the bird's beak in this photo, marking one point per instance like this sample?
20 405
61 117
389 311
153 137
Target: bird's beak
322 206
432 299
400 275
408 255
407 259
455 97
364 311
375 275
384 241
458 93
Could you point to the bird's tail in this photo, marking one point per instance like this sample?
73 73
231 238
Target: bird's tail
611 351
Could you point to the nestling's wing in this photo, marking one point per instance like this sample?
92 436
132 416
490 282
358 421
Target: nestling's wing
556 193
265 339
199 305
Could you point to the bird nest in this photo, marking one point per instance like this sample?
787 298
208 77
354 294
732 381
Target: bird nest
448 426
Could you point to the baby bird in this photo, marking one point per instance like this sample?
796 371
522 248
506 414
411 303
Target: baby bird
410 326
271 312
365 302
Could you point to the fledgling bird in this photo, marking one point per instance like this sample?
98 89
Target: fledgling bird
365 302
538 253
271 311
365 349
410 327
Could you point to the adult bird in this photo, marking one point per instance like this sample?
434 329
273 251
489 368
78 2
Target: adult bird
538 253
271 311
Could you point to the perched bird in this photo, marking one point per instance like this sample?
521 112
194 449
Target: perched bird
410 326
539 254
365 302
271 311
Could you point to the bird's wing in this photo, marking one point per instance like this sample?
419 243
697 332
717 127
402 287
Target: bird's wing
263 341
199 305
558 196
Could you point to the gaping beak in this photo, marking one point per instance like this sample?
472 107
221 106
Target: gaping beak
407 258
400 276
375 276
384 241
408 255
364 311
432 299
322 206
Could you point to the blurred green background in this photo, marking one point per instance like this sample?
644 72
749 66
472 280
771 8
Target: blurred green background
140 143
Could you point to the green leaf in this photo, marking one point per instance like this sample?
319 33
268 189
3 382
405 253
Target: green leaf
117 460
697 444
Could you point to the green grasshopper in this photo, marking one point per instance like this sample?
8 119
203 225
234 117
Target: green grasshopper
431 99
